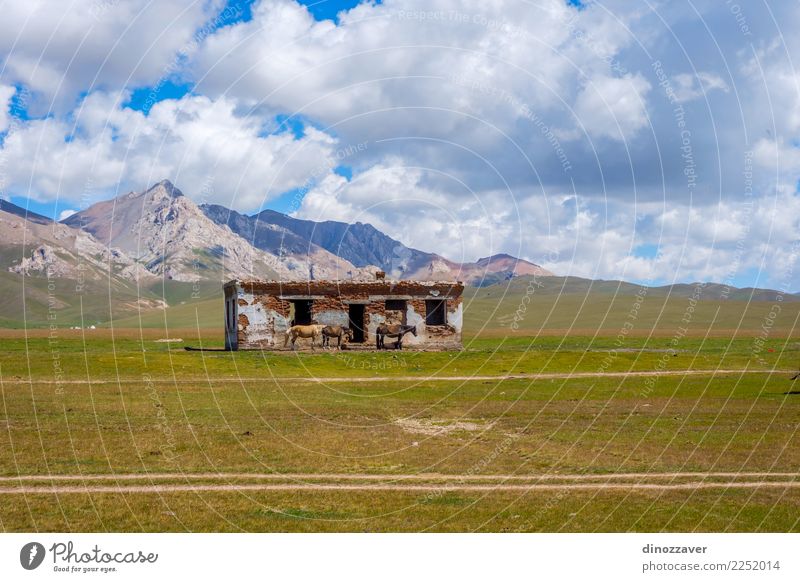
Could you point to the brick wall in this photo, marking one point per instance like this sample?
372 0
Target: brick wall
263 316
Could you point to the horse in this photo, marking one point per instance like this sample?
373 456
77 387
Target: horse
396 330
337 331
303 331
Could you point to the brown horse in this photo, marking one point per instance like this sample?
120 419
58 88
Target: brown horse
337 331
396 330
303 331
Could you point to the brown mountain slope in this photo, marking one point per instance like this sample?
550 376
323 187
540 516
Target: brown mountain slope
169 234
37 247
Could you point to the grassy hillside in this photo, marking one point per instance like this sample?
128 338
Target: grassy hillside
205 313
567 305
35 302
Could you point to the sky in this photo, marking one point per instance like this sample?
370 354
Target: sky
654 142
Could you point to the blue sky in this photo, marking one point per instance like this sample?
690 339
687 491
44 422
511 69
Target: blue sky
657 144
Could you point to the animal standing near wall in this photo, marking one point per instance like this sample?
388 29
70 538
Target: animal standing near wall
337 331
398 331
303 331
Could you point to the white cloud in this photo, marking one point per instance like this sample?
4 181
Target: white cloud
723 242
689 87
209 149
64 214
613 107
778 156
6 93
394 56
395 199
776 99
59 50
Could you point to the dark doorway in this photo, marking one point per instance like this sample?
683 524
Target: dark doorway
398 306
229 314
356 313
435 312
302 311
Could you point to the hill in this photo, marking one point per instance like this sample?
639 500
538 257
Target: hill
576 306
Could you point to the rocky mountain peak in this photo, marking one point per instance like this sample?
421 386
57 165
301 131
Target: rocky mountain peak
497 257
163 191
170 235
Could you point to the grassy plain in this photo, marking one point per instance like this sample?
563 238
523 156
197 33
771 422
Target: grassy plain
117 402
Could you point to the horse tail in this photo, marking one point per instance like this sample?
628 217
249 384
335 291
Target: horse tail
286 337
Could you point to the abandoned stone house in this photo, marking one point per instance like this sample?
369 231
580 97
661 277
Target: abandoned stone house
258 313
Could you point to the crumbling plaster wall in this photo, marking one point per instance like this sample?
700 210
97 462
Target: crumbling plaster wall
265 309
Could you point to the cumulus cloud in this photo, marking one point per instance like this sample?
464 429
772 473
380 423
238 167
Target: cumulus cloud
6 93
208 148
416 67
395 199
60 51
724 242
689 87
613 107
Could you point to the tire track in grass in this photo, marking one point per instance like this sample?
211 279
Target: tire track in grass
423 482
482 378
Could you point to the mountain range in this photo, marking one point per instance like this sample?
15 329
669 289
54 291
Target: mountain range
155 247
364 246
145 251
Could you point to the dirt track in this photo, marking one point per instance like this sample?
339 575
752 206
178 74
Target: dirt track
475 378
177 482
397 477
548 376
411 488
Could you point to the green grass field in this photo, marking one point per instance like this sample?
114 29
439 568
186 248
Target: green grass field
559 425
